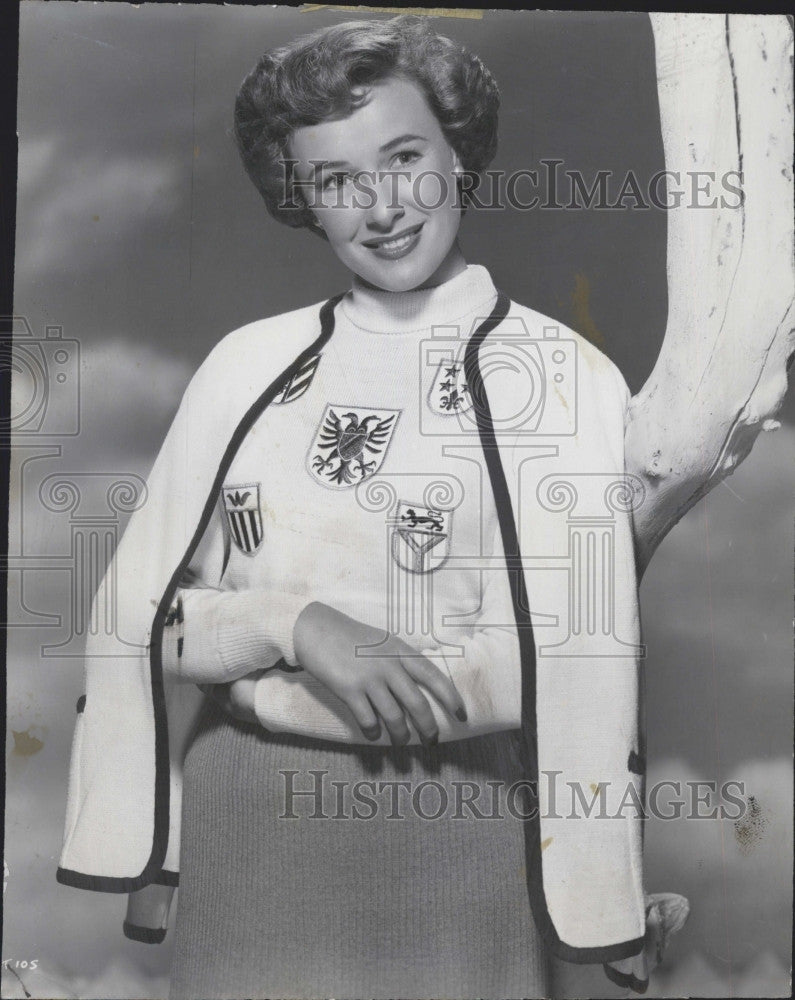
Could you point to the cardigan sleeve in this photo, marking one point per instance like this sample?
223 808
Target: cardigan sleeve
213 635
218 635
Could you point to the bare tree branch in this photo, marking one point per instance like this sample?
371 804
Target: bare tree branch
725 90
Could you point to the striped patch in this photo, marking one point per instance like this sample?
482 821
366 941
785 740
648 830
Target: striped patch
300 382
244 516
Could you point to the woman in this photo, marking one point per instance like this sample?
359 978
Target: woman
337 583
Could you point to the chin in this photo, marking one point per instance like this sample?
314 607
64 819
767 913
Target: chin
396 284
395 278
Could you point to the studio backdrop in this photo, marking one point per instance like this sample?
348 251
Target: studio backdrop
141 242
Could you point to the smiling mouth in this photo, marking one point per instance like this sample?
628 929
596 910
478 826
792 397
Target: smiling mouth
395 246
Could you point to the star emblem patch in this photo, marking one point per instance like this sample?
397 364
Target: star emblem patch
449 390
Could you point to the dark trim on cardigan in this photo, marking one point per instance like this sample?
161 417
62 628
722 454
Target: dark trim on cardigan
626 980
636 764
166 877
108 883
146 935
513 561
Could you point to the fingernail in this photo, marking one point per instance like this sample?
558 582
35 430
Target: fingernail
433 740
372 734
461 713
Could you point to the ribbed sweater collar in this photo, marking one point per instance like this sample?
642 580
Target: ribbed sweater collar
378 311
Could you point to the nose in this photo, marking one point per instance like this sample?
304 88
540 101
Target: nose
386 208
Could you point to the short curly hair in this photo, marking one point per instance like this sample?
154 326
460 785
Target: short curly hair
326 75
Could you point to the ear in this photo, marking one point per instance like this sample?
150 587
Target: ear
316 227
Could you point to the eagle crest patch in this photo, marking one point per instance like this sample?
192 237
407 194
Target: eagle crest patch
350 444
244 516
420 537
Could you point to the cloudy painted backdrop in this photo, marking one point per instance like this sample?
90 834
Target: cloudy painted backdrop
139 235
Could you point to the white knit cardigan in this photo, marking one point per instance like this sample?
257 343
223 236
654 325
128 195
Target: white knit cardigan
559 529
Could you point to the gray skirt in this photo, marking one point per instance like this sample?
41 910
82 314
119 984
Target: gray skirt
313 869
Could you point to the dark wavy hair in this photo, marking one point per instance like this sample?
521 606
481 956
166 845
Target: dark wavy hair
326 75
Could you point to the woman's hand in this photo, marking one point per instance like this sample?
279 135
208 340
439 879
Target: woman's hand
376 688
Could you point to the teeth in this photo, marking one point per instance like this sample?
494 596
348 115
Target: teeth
398 243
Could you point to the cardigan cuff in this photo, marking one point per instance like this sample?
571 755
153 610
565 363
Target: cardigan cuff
256 624
146 935
626 980
219 636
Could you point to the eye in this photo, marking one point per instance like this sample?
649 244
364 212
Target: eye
406 156
335 180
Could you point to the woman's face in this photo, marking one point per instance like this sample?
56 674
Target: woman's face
381 184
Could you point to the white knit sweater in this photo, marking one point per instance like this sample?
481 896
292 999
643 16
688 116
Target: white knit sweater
346 544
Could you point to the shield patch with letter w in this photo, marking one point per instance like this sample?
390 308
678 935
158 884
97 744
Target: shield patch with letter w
244 516
421 537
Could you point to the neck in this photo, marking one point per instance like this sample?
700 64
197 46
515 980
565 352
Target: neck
469 291
452 265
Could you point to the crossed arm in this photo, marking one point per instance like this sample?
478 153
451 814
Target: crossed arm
233 644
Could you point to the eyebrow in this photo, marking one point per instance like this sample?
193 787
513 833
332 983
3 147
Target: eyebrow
408 137
319 167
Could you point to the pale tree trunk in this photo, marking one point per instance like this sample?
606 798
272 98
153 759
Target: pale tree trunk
725 94
725 90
